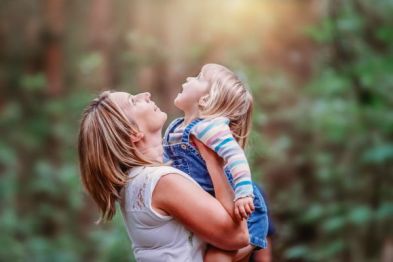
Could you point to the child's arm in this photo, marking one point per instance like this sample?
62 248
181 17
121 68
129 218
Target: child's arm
216 134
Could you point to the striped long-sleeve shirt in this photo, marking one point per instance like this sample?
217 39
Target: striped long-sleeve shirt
216 134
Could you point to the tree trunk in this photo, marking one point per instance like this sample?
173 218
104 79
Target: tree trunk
101 39
54 59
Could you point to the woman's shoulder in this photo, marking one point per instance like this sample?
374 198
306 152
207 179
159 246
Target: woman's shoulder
170 173
154 172
165 169
145 178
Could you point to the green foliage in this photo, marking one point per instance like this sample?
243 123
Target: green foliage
346 114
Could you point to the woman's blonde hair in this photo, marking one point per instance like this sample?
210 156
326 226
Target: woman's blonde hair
228 97
106 152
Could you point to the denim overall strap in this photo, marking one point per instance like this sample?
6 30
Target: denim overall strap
186 133
172 126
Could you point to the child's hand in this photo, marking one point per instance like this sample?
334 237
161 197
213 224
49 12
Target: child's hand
244 207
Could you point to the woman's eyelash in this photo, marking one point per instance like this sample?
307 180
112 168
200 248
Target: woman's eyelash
132 100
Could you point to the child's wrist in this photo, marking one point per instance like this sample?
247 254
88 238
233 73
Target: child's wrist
243 196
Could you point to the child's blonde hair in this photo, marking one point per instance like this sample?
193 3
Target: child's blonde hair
228 97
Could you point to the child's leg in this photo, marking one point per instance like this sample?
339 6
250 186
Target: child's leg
244 254
214 254
263 255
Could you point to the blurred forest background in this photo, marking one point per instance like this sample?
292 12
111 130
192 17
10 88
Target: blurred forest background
321 72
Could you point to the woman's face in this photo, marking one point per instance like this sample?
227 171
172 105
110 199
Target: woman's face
140 109
193 89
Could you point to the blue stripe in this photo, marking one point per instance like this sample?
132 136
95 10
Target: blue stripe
243 184
204 131
229 139
229 152
211 124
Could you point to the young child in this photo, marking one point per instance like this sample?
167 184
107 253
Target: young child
217 111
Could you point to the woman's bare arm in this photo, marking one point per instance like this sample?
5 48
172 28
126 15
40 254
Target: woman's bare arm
210 218
199 212
214 164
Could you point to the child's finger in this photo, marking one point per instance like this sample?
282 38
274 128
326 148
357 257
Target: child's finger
252 207
242 212
247 209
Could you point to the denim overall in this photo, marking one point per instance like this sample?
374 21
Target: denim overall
185 156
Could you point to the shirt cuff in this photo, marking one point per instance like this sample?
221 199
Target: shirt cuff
245 191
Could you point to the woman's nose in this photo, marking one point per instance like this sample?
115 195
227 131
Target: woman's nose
147 96
143 96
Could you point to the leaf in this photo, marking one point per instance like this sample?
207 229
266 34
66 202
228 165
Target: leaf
360 215
385 33
300 251
313 214
34 82
328 251
322 33
379 154
385 211
334 224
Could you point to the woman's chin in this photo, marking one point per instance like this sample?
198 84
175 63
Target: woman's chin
159 121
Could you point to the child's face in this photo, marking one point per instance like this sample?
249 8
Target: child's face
193 89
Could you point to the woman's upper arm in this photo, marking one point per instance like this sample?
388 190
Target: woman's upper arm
199 212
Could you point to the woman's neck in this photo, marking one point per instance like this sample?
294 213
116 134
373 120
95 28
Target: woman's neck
151 146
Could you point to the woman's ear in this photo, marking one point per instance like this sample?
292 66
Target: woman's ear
137 137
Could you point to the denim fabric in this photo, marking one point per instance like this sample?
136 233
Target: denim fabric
272 228
186 157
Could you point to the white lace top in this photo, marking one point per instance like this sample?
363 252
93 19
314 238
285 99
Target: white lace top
155 237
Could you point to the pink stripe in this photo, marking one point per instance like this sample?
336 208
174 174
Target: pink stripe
239 175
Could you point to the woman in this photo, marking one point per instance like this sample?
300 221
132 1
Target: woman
168 216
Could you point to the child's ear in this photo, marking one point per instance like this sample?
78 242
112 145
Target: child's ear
202 101
137 137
